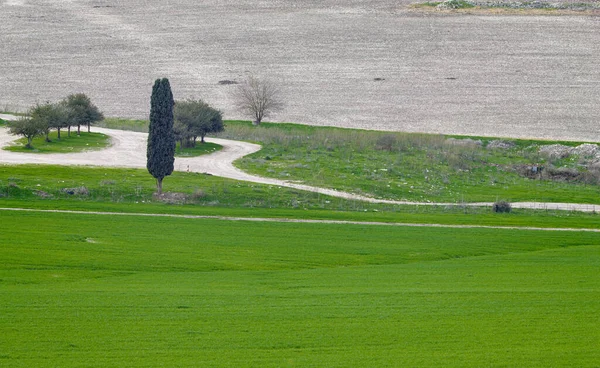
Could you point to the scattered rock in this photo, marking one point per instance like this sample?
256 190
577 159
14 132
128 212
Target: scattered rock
586 150
454 4
227 82
171 197
378 79
42 194
467 142
499 144
555 151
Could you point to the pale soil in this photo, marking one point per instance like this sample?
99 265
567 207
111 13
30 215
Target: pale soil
128 149
311 221
494 75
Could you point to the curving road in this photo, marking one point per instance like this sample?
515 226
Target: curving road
128 149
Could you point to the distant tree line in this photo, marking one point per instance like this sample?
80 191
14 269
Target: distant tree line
74 110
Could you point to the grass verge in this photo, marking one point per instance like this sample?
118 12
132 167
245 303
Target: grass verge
131 190
74 143
199 150
124 124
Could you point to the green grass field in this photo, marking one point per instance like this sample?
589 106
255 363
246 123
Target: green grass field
84 142
130 190
200 149
164 290
90 290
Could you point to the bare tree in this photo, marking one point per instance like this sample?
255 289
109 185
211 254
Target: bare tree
258 98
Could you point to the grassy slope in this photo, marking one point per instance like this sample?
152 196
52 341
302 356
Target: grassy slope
130 190
85 142
416 167
86 290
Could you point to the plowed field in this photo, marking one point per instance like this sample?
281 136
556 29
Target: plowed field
508 75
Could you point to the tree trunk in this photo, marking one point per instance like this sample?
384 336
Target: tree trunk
78 129
58 133
88 127
202 139
29 139
48 137
159 186
69 131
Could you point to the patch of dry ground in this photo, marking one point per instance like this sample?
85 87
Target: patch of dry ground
494 75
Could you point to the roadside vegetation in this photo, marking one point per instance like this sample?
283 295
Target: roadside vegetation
199 150
418 167
75 143
131 190
422 167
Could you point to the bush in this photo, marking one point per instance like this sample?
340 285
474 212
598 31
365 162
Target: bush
83 191
501 207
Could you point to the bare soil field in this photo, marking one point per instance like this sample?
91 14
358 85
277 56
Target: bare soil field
495 75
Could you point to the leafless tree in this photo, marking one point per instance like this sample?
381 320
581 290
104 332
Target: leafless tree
258 98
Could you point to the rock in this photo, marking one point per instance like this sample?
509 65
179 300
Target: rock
556 151
498 144
467 142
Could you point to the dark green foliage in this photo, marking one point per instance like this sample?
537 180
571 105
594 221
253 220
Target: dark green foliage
52 116
28 128
195 119
161 138
81 111
502 207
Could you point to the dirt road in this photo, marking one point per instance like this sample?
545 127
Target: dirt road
128 149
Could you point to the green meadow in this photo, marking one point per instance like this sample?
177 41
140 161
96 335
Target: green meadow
66 144
151 283
86 290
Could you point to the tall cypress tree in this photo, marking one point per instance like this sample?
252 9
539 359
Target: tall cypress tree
161 139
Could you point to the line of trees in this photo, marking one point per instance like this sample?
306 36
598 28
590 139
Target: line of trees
74 110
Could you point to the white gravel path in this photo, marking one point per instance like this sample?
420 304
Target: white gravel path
128 149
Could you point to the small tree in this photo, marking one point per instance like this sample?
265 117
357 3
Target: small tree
53 116
258 98
82 111
195 119
28 128
161 138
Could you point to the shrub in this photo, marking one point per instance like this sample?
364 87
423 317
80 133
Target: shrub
501 207
77 191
